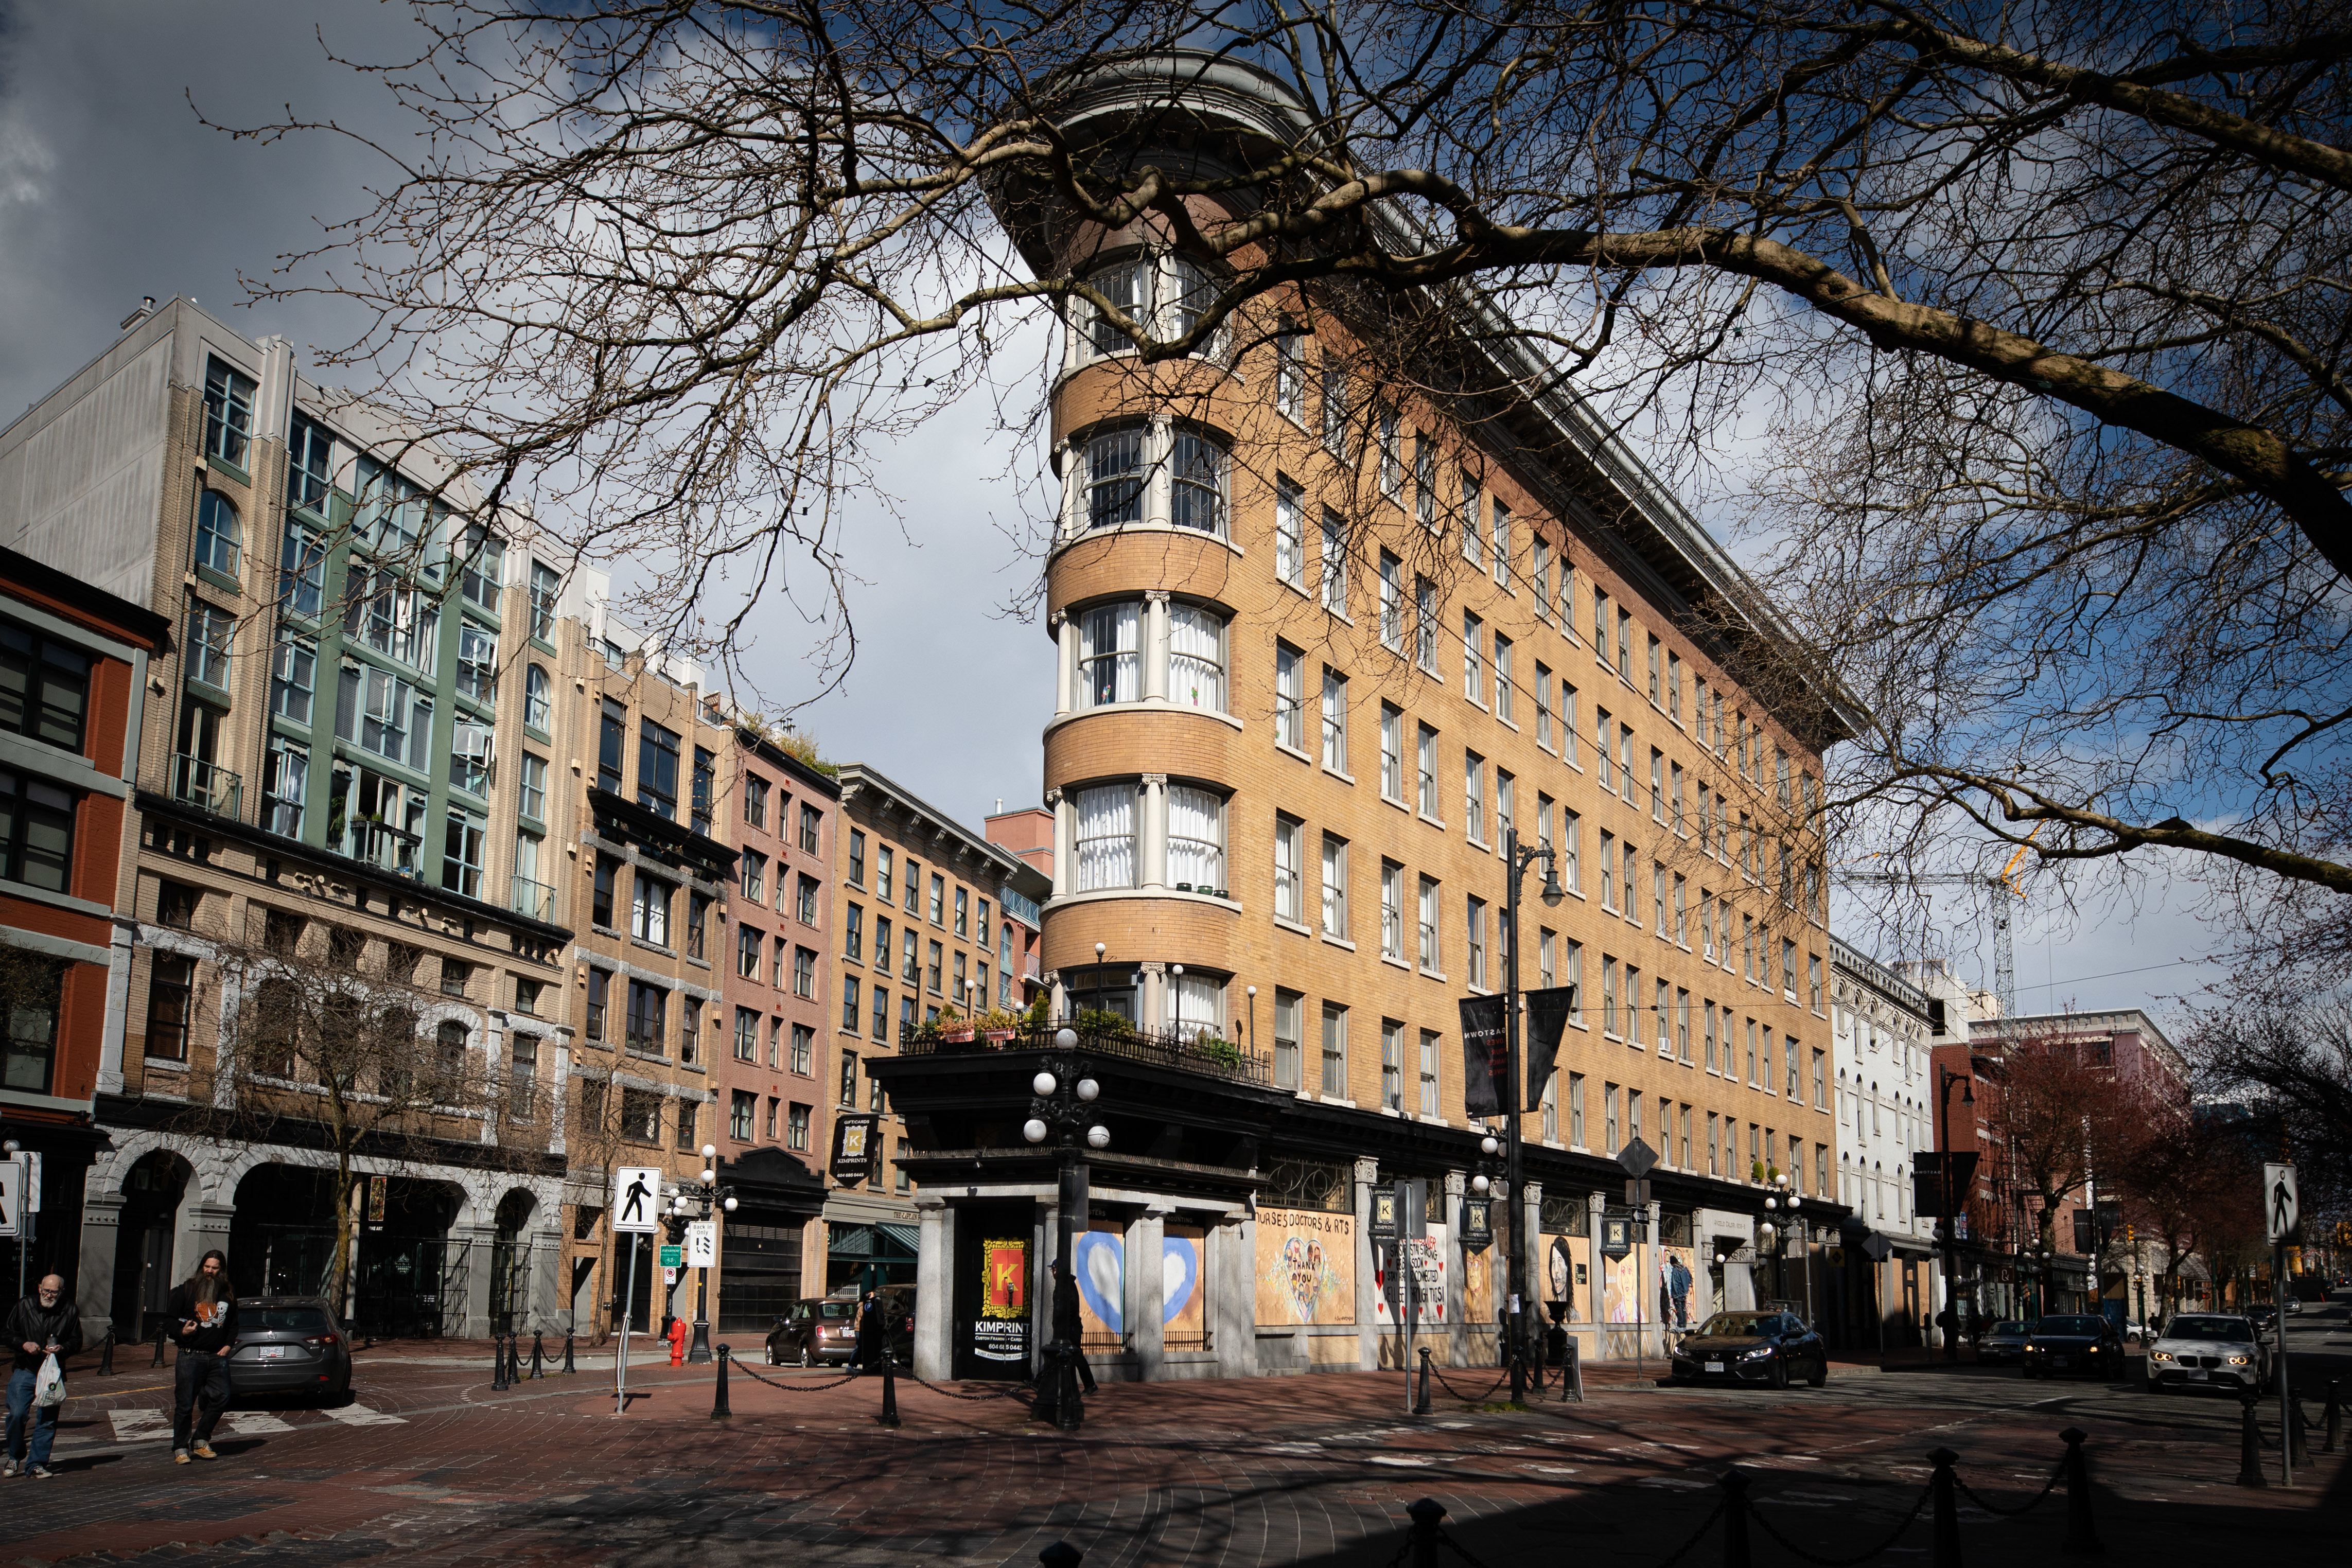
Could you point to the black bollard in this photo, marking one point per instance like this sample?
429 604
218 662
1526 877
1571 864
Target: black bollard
2250 1446
2298 1447
2081 1535
1943 1537
1061 1554
498 1365
889 1416
2333 1416
106 1356
568 1365
1425 1515
1735 1519
719 1410
538 1354
159 1344
1420 1406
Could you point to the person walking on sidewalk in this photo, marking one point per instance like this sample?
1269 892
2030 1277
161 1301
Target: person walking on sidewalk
41 1326
202 1312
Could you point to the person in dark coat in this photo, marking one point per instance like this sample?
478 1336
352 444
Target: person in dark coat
203 1315
41 1326
1067 1330
871 1334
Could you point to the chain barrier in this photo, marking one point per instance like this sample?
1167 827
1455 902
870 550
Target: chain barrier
788 1387
2048 1487
1897 1534
1012 1393
1459 1550
1695 1537
1471 1398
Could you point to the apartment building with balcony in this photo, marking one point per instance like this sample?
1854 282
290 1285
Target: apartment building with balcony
774 1067
73 678
928 922
1882 1037
1326 642
334 777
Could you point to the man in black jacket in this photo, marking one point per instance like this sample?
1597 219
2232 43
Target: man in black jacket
203 1315
41 1326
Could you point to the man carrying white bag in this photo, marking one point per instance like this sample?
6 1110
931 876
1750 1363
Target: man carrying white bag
42 1331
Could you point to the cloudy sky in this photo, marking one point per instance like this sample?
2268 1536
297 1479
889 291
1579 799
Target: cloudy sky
111 190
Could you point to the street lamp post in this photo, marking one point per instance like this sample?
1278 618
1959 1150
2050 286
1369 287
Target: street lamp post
1063 1108
710 1193
1784 1196
1945 1078
1518 858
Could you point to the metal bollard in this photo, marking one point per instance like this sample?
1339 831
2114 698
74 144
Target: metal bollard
889 1416
106 1356
1735 1519
159 1344
719 1409
498 1363
2333 1416
2298 1449
514 1363
1420 1406
538 1354
2081 1535
1425 1515
1061 1554
1944 1538
2250 1446
569 1364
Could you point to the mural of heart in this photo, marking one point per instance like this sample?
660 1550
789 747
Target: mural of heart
1102 1276
1180 1275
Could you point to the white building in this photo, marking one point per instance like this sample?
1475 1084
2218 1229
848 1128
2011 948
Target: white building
1881 1032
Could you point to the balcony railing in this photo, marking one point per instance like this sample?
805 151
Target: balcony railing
206 786
1190 1052
384 847
535 899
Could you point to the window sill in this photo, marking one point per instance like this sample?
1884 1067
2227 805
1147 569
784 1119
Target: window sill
1396 963
223 467
1437 822
1284 925
1347 778
1429 974
166 1064
1335 1100
1507 722
1339 614
1340 942
1289 750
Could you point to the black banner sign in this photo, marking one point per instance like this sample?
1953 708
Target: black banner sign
1485 1073
1549 1011
1478 1225
1940 1182
854 1137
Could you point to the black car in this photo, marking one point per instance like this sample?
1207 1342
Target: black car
2076 1344
289 1345
1774 1348
2003 1342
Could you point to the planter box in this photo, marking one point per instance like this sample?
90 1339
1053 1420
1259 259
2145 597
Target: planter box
956 1036
999 1036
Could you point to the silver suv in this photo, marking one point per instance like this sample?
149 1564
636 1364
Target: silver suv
2205 1350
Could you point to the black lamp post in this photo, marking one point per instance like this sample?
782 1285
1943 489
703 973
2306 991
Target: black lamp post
706 1193
1945 1078
1063 1109
1517 857
1784 1196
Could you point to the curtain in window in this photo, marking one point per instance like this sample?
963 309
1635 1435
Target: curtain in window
1106 837
1110 666
1196 1004
1195 843
1196 670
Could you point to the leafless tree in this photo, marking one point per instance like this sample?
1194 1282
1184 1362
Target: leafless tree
2018 334
2289 1062
324 1047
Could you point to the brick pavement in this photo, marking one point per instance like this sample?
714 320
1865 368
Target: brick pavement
1312 1470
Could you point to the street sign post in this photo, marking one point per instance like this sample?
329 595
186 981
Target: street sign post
12 1196
1637 1157
702 1244
635 1211
2282 1211
672 1258
2282 1215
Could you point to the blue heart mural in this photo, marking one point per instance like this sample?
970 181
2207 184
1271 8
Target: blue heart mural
1102 1276
1180 1275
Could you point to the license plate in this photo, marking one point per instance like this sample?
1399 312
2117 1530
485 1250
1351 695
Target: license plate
1715 1366
272 1352
2057 1361
2199 1374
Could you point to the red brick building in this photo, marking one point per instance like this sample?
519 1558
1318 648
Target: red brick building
73 679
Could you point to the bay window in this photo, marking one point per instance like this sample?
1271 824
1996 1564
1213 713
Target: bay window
1196 852
1196 657
1110 661
1106 837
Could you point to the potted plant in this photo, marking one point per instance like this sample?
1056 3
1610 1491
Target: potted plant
997 1025
1102 1021
1223 1052
955 1028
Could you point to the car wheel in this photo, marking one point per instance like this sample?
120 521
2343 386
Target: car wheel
808 1356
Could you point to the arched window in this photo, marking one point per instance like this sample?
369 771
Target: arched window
535 698
219 540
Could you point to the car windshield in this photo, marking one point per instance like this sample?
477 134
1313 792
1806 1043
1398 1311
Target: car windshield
1739 1325
2208 1328
282 1320
2071 1326
2008 1326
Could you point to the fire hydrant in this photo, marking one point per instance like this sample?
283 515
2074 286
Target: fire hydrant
678 1341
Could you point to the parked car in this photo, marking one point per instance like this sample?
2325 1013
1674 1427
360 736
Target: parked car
823 1330
2073 1343
2003 1343
2264 1316
1774 1348
2207 1349
289 1345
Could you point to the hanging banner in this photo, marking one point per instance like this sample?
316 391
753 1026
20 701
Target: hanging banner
1486 1070
854 1137
1001 1332
1478 1225
1549 1011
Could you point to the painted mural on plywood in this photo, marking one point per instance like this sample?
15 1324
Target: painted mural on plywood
1305 1267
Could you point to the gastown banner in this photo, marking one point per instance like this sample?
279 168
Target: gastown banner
1485 1073
1549 1011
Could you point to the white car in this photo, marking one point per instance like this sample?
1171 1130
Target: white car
2207 1349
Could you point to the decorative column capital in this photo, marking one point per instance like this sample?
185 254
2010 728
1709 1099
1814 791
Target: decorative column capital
1054 796
1153 968
1158 779
1155 596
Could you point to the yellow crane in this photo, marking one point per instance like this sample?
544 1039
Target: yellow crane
2004 983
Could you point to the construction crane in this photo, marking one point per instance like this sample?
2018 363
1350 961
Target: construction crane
2004 965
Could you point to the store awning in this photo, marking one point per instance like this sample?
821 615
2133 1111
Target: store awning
880 1241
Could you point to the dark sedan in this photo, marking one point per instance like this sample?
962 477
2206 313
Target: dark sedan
289 1345
2085 1345
1773 1348
2003 1343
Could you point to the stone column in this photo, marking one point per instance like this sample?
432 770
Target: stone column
934 1312
1066 666
1147 1292
1368 1333
1231 1270
1155 645
546 1306
1594 1265
1066 826
477 1244
203 1227
1153 872
101 1234
1457 1283
1526 1235
1159 455
1151 1007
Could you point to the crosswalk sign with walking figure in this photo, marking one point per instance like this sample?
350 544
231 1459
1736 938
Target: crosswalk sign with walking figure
637 1198
2280 1206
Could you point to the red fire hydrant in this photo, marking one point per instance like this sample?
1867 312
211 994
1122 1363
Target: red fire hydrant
678 1341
